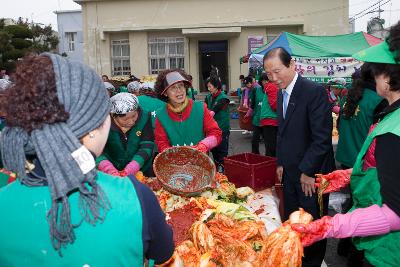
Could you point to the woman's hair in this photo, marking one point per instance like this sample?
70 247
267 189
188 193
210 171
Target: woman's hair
263 77
394 41
248 79
391 70
161 82
31 101
215 81
214 78
362 79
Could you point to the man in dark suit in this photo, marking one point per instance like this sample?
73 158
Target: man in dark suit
304 141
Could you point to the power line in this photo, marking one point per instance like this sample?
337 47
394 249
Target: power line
367 8
354 18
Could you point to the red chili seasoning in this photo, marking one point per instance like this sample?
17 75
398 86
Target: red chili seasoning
181 220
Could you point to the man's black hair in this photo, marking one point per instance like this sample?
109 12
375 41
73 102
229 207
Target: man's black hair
283 55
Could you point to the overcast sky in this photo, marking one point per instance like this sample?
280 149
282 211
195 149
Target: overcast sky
42 11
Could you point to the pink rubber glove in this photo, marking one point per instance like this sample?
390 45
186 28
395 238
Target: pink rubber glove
337 180
249 113
206 144
107 167
336 109
132 168
212 113
373 220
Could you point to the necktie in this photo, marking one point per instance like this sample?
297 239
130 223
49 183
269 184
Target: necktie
285 102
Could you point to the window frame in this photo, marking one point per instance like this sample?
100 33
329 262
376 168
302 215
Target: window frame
163 51
123 61
71 40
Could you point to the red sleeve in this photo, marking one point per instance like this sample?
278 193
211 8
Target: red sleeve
210 126
161 137
272 92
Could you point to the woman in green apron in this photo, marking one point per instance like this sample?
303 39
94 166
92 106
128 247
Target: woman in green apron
130 144
218 103
374 220
183 122
63 212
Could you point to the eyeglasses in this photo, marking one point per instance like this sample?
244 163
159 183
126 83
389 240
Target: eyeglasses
177 87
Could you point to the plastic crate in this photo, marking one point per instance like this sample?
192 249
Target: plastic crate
253 170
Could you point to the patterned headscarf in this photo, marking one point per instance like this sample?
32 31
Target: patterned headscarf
134 87
123 103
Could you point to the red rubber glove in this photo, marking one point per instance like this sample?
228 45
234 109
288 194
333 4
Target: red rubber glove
314 231
336 179
201 147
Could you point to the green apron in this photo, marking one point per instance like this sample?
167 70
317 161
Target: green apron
25 237
353 131
184 133
151 105
257 95
222 116
266 110
382 250
120 155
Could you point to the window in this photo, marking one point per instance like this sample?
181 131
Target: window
120 57
71 38
166 53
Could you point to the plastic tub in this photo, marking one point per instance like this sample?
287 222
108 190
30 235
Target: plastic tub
253 170
244 123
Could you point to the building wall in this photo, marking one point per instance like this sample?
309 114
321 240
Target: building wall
70 21
142 19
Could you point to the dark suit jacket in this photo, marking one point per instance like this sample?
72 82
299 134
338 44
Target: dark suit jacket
304 141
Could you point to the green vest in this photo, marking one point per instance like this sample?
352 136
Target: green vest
25 238
222 116
381 250
257 95
266 110
184 133
4 179
354 130
151 104
123 89
191 93
119 154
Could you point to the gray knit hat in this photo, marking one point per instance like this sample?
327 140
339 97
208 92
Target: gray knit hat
58 149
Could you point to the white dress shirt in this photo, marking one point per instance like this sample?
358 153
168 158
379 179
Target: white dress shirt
289 89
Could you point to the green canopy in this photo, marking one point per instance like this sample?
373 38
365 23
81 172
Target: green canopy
321 46
319 58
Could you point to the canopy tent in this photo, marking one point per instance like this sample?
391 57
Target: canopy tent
319 57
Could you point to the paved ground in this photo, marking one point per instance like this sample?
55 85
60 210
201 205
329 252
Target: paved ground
240 143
